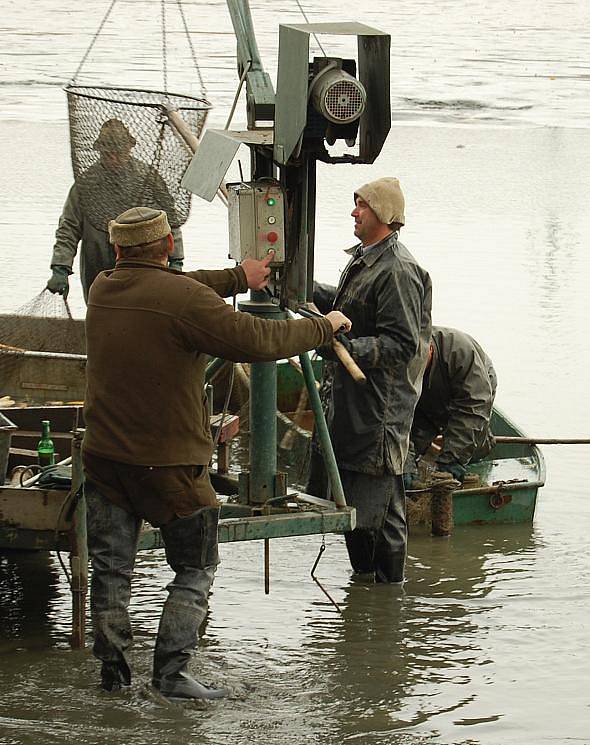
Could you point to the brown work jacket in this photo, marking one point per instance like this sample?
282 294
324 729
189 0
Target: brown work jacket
149 332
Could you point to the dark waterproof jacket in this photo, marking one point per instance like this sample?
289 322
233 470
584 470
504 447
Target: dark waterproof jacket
388 298
148 333
97 197
457 399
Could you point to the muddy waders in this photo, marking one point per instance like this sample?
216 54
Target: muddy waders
191 551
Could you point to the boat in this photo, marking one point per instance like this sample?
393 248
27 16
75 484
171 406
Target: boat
500 489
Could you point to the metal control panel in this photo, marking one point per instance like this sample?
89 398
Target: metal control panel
256 213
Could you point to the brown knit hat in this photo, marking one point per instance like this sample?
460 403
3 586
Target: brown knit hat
137 226
114 137
384 196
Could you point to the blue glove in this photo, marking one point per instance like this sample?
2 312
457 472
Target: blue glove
175 264
456 470
59 282
408 480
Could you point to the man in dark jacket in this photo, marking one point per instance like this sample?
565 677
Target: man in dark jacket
147 443
388 297
107 188
456 402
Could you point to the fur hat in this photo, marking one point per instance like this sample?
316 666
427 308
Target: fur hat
114 136
384 196
137 226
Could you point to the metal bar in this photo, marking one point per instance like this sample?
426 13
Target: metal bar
508 440
79 550
322 430
15 352
506 487
270 526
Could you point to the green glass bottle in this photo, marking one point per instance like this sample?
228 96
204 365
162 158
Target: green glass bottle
45 449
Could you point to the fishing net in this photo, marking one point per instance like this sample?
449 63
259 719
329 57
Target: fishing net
44 324
126 153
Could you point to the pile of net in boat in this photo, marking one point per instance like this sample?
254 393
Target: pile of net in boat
126 153
44 324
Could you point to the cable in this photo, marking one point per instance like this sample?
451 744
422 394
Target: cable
307 21
93 41
191 47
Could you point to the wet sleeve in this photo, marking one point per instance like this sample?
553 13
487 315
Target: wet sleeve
69 231
210 325
178 252
323 297
225 282
399 306
470 406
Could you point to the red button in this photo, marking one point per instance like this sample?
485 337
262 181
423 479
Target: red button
272 237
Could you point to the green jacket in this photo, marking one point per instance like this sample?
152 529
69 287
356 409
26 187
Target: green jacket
149 332
457 399
95 198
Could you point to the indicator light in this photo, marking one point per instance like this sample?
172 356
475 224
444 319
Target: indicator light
271 202
272 237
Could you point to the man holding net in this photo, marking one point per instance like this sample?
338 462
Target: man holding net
112 185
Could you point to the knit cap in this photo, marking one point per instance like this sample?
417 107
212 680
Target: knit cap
384 196
137 226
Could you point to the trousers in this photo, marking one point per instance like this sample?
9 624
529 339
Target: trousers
191 552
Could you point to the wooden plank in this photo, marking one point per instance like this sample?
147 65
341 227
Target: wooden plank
32 508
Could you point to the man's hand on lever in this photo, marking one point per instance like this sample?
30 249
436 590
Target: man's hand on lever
257 271
339 321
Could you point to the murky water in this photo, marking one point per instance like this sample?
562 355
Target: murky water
487 642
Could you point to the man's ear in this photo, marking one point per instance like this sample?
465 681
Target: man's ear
170 240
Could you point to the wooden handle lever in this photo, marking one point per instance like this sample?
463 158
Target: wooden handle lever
351 367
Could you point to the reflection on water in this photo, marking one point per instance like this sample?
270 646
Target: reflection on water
28 586
394 662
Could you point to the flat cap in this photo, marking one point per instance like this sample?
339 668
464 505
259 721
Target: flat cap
138 225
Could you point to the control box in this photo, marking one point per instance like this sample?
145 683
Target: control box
256 213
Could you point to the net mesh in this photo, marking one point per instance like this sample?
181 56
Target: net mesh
44 324
125 153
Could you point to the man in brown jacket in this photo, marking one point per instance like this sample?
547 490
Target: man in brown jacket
147 444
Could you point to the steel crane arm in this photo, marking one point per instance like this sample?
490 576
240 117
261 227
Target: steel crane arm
260 91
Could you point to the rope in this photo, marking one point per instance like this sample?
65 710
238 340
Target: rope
164 50
191 47
164 45
240 84
307 21
93 41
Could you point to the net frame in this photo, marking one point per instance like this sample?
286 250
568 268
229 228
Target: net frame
159 156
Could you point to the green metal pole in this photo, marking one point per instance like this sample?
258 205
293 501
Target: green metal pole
263 407
322 430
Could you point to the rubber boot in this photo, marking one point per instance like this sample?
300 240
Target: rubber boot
112 542
191 551
392 538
